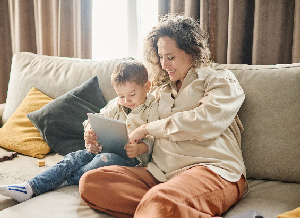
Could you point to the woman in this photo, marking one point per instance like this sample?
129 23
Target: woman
197 169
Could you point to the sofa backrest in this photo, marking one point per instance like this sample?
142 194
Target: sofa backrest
270 113
271 118
54 76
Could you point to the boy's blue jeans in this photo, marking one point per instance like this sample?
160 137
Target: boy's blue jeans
72 167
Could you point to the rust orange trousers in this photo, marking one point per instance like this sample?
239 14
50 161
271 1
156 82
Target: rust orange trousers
133 192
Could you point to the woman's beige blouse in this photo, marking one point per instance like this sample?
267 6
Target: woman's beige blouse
199 126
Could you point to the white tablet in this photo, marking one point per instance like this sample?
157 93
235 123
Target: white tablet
112 134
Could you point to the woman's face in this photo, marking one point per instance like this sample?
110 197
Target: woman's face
172 59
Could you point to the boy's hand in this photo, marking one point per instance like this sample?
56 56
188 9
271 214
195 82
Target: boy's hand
90 138
133 149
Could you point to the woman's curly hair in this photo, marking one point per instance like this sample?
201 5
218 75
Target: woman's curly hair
189 37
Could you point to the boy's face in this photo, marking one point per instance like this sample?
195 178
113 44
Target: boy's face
131 94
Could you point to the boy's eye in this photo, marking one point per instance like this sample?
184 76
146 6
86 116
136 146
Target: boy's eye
121 96
133 94
170 58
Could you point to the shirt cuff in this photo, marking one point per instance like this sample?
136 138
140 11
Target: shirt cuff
158 128
85 123
149 142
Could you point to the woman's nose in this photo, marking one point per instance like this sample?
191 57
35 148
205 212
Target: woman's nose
164 64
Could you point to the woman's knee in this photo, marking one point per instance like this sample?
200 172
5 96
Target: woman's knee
84 188
90 185
99 190
96 178
90 182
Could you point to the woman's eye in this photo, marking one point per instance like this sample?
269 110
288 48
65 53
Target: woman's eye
170 58
133 95
121 96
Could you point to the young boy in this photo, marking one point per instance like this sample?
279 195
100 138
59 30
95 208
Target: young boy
134 105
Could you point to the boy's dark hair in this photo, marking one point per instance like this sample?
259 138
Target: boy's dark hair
129 71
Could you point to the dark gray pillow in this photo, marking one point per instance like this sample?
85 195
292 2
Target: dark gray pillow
60 121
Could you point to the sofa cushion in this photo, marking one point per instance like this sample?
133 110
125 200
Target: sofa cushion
63 202
54 76
19 134
270 198
60 121
271 118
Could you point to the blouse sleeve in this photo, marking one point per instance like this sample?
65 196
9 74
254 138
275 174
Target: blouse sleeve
152 115
217 109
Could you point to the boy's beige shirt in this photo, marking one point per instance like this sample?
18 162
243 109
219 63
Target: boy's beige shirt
199 126
144 113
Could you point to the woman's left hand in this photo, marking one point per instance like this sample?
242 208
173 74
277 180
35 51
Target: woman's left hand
139 133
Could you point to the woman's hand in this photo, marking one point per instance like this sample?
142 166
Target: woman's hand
90 138
133 150
139 133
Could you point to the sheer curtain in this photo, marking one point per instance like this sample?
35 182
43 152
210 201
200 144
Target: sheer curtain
246 31
142 16
120 26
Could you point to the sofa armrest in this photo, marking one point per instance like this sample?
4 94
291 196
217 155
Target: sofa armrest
2 106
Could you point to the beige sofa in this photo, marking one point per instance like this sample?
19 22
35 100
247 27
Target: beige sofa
270 143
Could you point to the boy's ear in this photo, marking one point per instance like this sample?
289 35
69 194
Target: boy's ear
148 86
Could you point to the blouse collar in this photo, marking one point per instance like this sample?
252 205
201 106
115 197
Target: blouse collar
191 75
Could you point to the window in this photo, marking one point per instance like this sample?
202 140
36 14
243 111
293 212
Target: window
120 26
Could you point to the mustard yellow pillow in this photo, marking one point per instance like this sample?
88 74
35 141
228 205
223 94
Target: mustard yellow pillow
19 134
